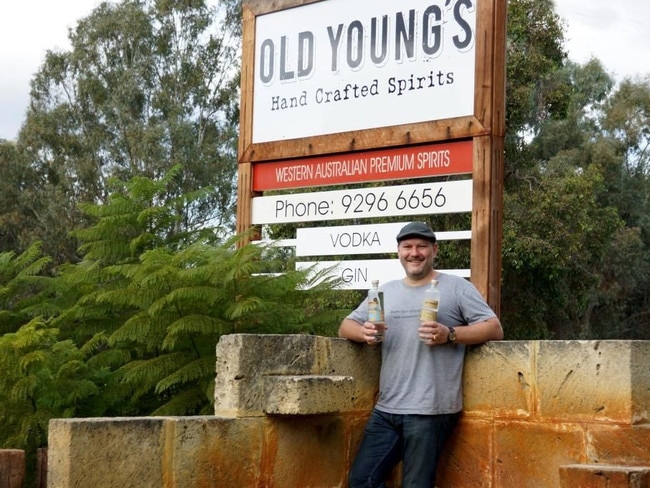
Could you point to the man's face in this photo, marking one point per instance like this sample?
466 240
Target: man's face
416 256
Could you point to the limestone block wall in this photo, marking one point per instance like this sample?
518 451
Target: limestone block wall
534 410
290 411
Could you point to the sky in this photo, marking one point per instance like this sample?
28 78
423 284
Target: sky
617 33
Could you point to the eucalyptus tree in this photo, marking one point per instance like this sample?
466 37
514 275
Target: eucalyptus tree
624 157
147 85
576 254
11 215
534 54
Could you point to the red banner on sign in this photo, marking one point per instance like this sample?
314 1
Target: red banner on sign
442 159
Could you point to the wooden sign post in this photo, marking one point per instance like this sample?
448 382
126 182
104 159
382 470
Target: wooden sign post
342 91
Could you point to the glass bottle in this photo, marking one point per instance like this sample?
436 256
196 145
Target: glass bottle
376 308
431 303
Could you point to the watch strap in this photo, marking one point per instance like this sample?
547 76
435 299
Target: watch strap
452 335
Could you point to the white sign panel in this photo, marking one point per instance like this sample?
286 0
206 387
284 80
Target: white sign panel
357 239
341 65
357 275
386 201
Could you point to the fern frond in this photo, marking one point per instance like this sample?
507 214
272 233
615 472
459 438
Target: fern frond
34 334
95 343
192 326
186 402
80 391
143 375
135 328
110 359
242 307
24 388
187 298
191 372
33 359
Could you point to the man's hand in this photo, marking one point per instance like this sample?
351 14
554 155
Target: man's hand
433 333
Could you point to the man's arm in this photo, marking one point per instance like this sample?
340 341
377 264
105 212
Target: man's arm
479 332
435 333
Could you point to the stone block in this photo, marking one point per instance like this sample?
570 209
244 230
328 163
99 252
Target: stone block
360 361
619 444
604 476
214 452
107 452
468 459
307 394
296 407
141 452
594 380
498 380
528 454
245 361
306 452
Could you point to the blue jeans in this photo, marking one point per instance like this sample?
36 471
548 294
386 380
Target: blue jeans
417 440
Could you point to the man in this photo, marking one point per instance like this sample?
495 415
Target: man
420 386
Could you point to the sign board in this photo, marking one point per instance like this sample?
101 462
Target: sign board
452 158
337 65
357 275
328 85
386 201
346 240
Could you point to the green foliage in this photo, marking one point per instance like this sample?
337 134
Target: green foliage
42 377
576 260
534 93
134 326
534 53
556 238
125 169
23 287
163 303
147 86
12 214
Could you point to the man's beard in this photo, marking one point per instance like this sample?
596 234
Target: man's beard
424 268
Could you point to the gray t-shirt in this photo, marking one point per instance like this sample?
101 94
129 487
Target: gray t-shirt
416 378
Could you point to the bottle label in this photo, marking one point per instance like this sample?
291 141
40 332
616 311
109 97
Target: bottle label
427 315
376 308
430 304
429 310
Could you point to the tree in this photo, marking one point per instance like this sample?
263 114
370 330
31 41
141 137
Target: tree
26 207
148 85
132 328
575 261
157 304
534 92
625 160
23 288
10 186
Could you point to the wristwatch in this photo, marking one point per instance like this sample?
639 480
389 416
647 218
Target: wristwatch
452 335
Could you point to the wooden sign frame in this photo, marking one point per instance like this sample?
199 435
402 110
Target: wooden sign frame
486 128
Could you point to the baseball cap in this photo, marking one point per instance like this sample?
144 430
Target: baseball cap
416 229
